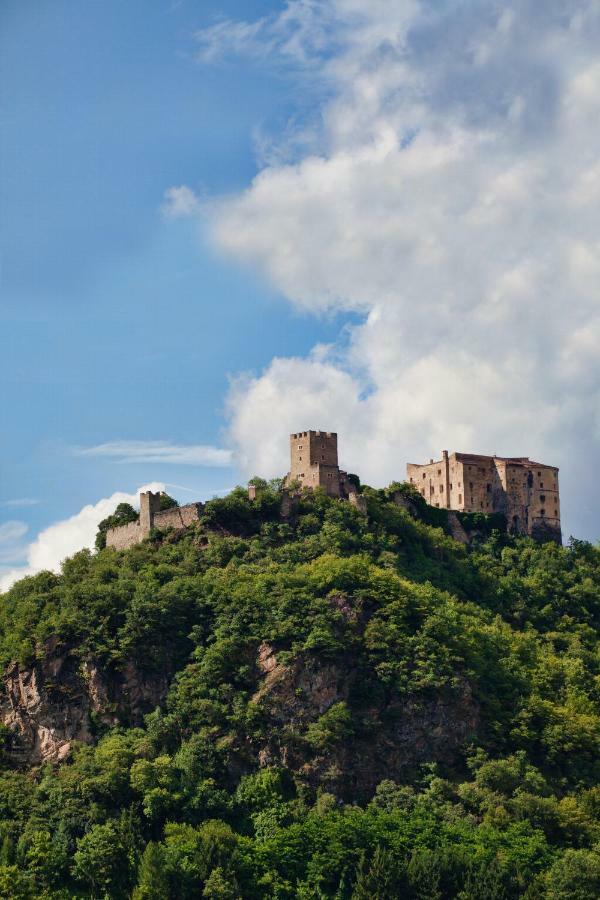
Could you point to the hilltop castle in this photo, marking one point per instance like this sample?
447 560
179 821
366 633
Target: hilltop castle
525 492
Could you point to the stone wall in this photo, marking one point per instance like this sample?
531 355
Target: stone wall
132 533
124 536
178 517
525 491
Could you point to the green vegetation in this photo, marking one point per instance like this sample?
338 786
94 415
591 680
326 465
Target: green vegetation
359 707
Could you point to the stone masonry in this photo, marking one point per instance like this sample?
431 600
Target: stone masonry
314 463
523 490
151 516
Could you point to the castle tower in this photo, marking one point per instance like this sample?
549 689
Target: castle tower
149 506
314 461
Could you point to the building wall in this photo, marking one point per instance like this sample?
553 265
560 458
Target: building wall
526 492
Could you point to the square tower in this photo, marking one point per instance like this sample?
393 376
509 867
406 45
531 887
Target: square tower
314 460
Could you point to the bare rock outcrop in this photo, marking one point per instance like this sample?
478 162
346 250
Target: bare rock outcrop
60 699
392 734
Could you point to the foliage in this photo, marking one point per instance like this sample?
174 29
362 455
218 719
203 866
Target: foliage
299 653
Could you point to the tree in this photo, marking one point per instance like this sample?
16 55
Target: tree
575 876
153 881
101 862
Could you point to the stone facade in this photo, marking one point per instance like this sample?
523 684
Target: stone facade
526 492
314 463
151 516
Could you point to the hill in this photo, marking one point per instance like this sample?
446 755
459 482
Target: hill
335 705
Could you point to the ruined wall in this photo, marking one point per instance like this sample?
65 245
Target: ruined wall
125 536
151 517
178 517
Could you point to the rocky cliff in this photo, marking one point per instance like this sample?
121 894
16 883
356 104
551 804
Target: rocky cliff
61 699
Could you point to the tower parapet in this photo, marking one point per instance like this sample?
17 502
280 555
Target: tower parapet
314 463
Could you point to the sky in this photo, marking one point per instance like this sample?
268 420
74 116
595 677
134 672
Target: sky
222 222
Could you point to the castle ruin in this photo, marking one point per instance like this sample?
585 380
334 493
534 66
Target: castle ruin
152 516
524 491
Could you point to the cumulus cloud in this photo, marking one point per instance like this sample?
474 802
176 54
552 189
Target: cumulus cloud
159 452
62 539
450 197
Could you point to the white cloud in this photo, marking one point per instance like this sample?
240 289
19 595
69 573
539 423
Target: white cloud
180 202
64 538
449 196
159 452
19 502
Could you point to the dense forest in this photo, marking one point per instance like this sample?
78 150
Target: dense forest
345 706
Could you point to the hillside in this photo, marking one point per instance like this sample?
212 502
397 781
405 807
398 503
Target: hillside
336 705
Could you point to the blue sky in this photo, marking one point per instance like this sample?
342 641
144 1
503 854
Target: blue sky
119 322
391 232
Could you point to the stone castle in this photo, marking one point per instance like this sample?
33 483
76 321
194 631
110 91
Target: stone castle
525 492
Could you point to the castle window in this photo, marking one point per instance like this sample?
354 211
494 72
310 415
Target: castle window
441 488
542 498
299 459
541 485
459 499
438 505
542 512
450 485
424 474
411 481
539 473
299 446
471 485
322 456
439 471
556 513
489 488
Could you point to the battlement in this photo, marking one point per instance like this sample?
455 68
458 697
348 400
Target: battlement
305 434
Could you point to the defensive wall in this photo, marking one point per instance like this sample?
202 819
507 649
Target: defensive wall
152 516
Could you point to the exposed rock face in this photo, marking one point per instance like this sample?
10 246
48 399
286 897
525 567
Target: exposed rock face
54 702
393 735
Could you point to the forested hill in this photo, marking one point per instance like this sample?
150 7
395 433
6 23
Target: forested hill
334 706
